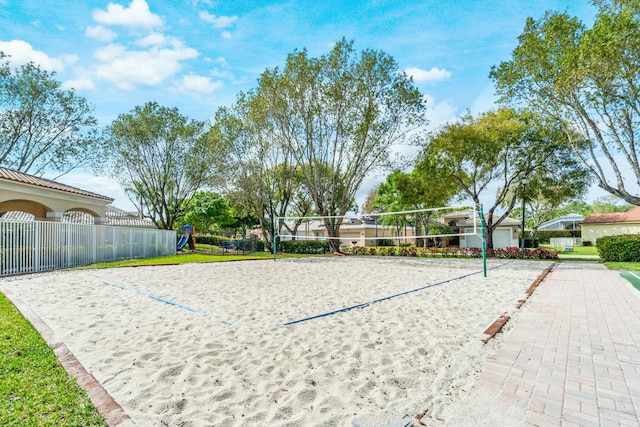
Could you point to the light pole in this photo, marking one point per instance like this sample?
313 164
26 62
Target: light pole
524 196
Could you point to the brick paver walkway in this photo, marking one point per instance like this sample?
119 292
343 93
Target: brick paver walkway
574 356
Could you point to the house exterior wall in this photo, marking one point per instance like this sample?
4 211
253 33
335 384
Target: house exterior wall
47 204
591 232
362 234
503 237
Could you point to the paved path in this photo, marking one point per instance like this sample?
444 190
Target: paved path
574 356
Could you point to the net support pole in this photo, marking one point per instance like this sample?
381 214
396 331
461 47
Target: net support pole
275 237
484 242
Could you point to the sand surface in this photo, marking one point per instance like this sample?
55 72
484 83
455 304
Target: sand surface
209 344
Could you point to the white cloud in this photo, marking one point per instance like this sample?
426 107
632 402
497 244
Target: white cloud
153 39
218 21
22 53
434 74
104 185
440 113
137 15
129 68
82 83
100 33
194 84
226 35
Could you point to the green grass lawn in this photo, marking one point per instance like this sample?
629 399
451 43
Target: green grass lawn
35 390
633 266
577 250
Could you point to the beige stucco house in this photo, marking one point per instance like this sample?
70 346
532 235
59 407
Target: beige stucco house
47 200
364 232
610 224
463 222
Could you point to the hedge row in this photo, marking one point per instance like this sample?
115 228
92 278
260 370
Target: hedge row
512 252
625 248
250 244
304 246
544 236
211 240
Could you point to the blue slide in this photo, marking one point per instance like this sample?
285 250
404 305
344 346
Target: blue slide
182 242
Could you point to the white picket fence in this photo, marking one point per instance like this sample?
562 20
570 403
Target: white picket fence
33 246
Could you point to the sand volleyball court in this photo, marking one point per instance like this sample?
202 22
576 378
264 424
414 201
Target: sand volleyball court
266 343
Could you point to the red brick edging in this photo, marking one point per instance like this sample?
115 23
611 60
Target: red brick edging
496 326
101 399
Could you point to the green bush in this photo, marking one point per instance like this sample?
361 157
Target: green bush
544 236
211 240
304 246
250 244
625 248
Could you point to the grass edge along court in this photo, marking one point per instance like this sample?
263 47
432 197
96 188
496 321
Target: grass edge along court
34 387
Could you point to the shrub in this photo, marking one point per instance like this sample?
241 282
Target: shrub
511 252
388 251
407 251
472 252
541 253
625 248
449 252
211 240
358 250
544 236
372 251
304 246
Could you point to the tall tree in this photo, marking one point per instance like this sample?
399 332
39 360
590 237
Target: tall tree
267 179
496 151
587 79
162 158
43 127
339 115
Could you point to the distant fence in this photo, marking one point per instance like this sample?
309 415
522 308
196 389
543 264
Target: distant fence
32 246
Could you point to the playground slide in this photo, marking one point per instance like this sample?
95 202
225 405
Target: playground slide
182 242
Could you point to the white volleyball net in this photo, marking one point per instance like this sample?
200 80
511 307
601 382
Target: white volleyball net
421 227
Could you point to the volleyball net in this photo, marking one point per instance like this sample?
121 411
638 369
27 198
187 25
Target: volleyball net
387 228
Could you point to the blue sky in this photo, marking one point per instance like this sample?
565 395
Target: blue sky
198 54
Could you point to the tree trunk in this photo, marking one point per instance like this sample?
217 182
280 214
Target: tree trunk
333 231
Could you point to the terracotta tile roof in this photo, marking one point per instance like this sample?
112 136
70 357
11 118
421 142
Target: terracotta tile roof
116 217
11 175
632 215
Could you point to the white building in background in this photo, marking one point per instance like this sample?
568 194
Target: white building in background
610 224
566 222
354 232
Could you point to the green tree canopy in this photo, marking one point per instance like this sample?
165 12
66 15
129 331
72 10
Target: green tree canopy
162 158
495 151
339 116
423 188
207 210
266 181
42 126
588 80
333 118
